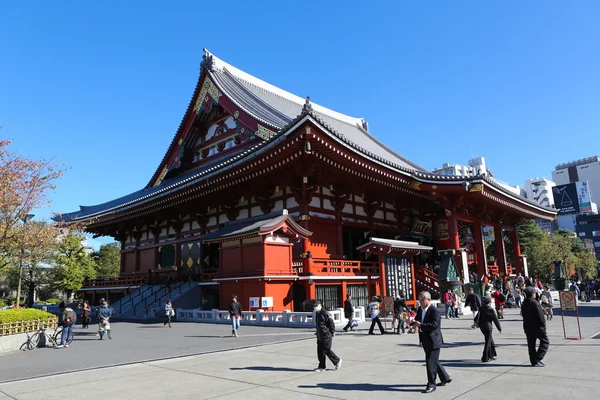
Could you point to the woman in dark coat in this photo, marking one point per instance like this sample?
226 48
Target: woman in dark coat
487 316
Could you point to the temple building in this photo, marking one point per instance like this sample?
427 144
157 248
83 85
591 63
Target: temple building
265 194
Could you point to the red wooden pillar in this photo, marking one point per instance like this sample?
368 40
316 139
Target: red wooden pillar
137 252
414 286
479 251
382 285
446 230
517 252
344 292
499 242
340 239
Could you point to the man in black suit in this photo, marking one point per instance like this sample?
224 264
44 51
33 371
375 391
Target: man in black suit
428 321
534 325
474 301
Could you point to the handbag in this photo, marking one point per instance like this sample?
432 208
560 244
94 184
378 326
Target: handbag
353 323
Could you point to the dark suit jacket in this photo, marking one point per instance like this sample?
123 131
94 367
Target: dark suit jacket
486 317
474 301
430 331
533 316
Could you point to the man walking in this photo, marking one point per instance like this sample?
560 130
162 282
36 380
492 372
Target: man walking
374 314
474 302
534 325
235 312
325 331
68 318
429 322
348 312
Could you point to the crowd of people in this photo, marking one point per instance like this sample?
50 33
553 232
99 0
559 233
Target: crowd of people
67 317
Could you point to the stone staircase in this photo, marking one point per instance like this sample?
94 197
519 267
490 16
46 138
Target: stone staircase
125 306
146 301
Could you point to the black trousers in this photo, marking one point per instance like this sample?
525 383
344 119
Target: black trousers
538 354
324 351
378 322
85 322
489 349
434 368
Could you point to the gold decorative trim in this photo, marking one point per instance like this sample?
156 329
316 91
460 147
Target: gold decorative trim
264 133
434 187
478 187
210 88
415 185
161 176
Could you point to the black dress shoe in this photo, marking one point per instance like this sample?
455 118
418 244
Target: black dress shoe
429 389
444 383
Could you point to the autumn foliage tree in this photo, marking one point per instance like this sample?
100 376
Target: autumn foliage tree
24 186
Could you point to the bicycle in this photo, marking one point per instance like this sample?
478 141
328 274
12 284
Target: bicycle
33 340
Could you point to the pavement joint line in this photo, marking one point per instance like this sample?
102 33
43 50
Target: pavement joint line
505 372
149 360
8 395
256 385
228 379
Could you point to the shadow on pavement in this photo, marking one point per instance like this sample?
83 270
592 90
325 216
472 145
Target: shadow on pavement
281 369
366 387
213 336
465 363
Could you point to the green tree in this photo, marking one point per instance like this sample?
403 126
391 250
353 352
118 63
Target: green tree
108 260
73 264
535 245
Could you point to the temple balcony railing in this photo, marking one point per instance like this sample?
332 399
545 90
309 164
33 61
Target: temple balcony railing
332 267
132 280
427 279
257 273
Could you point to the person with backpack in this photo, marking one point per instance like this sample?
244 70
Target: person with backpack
325 332
499 301
67 318
373 310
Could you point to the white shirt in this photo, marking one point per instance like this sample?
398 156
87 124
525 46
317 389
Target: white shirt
423 312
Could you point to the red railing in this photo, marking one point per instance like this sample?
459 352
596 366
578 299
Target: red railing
428 277
256 272
125 280
322 266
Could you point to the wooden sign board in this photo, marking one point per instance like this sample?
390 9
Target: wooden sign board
568 300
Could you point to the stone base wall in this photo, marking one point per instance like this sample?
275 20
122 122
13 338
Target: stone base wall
12 342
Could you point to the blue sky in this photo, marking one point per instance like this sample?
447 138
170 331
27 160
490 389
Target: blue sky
104 85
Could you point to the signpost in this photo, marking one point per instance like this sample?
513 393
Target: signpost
267 302
388 306
568 302
254 302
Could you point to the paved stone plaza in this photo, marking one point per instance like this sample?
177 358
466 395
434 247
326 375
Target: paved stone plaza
277 363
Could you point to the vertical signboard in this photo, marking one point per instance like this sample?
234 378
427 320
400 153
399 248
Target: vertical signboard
398 277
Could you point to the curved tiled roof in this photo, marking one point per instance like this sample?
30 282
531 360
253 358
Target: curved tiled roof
280 110
277 108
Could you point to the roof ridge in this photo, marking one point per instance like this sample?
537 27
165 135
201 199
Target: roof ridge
277 91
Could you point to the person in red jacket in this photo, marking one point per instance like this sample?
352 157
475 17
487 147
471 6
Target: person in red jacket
499 301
